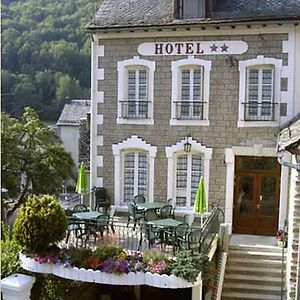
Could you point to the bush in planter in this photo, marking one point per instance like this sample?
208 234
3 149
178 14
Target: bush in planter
40 223
188 266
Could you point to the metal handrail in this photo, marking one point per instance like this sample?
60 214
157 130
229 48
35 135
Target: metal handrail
135 109
282 289
255 111
189 110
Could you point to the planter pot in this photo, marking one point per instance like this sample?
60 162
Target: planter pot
139 278
282 244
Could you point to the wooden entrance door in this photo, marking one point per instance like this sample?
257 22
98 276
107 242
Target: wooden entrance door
256 200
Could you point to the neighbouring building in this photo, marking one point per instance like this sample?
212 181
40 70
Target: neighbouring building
74 129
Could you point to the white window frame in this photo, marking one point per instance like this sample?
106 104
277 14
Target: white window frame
136 153
259 61
196 148
132 144
186 63
135 63
188 189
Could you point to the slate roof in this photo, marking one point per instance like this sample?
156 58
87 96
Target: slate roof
132 13
73 112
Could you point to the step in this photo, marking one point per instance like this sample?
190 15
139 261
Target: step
241 296
253 262
256 254
251 287
263 248
238 277
253 270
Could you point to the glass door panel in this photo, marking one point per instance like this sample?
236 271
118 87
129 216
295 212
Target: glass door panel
268 196
245 195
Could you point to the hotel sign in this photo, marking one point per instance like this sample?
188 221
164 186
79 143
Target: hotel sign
193 48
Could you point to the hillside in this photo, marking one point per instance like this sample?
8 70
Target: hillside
45 54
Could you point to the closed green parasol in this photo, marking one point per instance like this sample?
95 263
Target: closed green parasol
200 200
81 185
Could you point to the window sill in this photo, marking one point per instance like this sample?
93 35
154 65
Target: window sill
176 122
135 121
257 124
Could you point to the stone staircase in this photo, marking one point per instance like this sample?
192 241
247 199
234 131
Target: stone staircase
253 272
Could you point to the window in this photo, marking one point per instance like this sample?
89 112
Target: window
259 99
190 9
188 172
190 105
135 91
134 170
185 170
259 105
136 104
190 92
135 175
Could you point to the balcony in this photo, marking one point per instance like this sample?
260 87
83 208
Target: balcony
254 111
189 110
135 109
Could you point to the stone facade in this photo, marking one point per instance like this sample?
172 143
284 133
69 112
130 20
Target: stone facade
223 108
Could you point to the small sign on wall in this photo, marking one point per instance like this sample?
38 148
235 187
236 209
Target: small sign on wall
193 48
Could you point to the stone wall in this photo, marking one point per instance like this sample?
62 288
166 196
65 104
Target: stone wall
223 108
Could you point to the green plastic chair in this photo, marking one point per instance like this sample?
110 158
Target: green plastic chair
80 208
133 214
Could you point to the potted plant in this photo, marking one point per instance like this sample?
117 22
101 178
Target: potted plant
281 237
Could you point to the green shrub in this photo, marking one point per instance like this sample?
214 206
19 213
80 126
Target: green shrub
10 249
188 266
40 223
104 251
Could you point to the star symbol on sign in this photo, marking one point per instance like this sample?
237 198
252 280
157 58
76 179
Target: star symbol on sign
213 48
224 48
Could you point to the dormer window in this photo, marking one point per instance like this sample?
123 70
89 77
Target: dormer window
190 9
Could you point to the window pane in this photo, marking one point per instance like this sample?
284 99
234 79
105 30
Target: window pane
257 163
181 171
185 85
142 174
142 85
128 177
197 84
196 174
181 201
131 85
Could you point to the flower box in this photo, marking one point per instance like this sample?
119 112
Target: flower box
138 278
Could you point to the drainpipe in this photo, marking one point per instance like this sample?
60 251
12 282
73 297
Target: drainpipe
283 162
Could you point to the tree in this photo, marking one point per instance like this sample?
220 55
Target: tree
33 150
67 87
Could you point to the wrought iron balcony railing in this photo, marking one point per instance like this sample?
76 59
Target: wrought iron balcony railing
135 109
189 110
255 111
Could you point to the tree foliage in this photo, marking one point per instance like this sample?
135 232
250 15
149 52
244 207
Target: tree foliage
41 42
33 150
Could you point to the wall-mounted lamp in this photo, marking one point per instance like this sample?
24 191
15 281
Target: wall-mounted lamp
187 146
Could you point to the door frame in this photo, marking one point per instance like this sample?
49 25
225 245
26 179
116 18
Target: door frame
255 150
254 223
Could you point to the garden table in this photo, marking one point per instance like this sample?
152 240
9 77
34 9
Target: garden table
165 223
87 217
150 205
